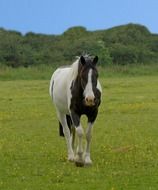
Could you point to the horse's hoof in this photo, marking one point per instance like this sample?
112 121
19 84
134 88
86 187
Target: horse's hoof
88 164
87 160
71 158
79 163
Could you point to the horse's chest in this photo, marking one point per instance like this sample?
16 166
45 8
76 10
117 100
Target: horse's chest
77 105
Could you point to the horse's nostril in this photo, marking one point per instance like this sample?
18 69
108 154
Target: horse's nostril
89 99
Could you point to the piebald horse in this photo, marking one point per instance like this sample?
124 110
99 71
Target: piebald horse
76 90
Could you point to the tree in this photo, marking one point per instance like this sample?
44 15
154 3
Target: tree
125 44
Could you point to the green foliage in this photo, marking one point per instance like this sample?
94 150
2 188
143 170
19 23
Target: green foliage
130 44
125 44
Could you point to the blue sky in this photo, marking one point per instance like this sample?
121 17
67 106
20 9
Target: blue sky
56 16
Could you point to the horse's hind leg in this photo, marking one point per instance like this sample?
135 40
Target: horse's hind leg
66 130
73 133
72 130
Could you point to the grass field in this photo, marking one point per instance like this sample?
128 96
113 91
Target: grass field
124 145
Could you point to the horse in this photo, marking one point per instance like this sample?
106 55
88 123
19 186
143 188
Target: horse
75 91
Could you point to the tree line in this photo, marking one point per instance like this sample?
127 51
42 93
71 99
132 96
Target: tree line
126 44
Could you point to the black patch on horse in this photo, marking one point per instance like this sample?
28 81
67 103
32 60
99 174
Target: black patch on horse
69 123
77 105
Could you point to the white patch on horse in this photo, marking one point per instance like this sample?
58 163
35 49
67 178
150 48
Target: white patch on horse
88 91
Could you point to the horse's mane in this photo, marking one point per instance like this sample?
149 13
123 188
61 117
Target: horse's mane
74 68
75 65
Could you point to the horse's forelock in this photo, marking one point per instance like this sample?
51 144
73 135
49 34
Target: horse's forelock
77 67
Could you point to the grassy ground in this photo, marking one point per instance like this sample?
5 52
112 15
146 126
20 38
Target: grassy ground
124 145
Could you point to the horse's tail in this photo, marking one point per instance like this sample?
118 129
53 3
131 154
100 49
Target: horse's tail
69 123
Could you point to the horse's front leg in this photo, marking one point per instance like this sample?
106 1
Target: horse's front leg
79 131
87 157
79 156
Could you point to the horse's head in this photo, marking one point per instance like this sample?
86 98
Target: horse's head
88 76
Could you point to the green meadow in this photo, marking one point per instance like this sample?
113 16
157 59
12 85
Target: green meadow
125 137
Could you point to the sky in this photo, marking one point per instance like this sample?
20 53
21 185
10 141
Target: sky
56 16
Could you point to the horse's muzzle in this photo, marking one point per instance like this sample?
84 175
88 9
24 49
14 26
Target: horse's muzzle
90 101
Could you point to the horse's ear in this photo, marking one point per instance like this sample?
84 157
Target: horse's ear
82 60
95 60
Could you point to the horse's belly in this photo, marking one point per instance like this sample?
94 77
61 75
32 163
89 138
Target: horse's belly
61 103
